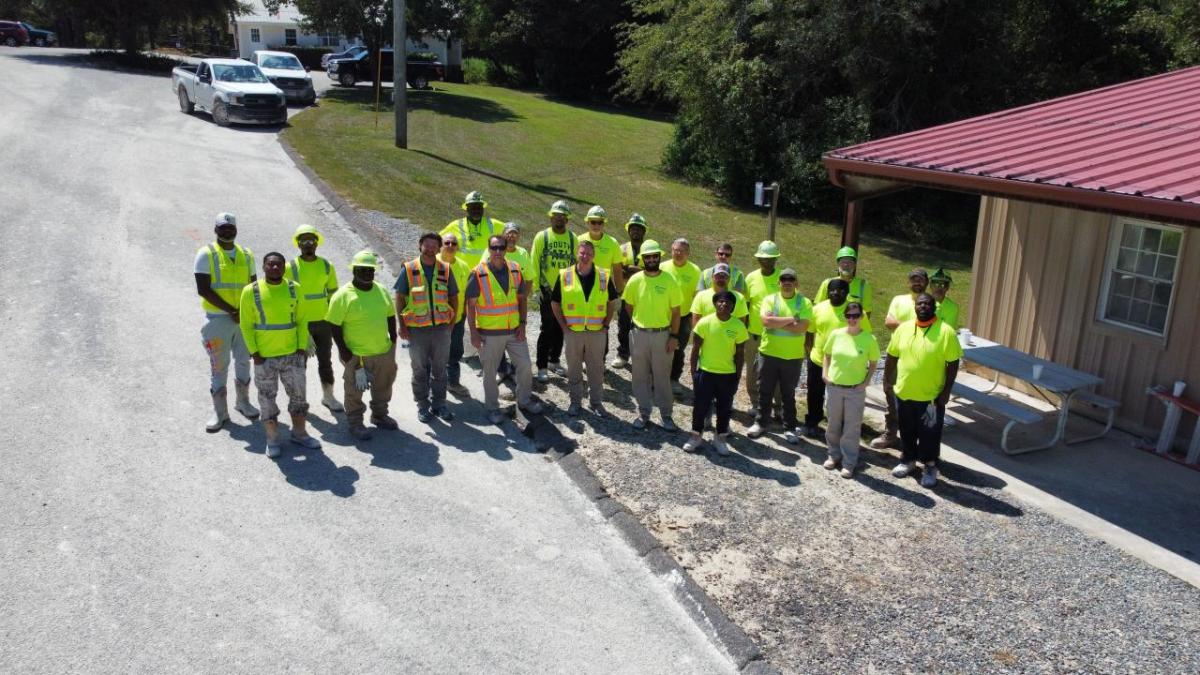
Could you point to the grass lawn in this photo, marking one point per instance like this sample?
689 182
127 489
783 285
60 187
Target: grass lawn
524 150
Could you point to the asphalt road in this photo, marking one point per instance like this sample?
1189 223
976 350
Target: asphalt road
132 541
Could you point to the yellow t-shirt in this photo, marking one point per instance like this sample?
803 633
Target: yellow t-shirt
860 292
652 298
780 343
608 250
461 271
903 308
758 287
923 354
947 310
702 304
520 256
363 317
317 281
850 356
266 336
720 343
826 319
687 277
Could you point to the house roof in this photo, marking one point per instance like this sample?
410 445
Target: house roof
1129 148
288 14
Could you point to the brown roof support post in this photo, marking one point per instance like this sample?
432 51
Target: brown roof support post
853 222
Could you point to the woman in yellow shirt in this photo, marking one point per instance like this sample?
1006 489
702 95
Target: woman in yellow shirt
850 357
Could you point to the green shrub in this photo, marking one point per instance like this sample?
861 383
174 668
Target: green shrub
483 71
145 62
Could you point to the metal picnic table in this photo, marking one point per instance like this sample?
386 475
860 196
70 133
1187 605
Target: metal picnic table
1065 383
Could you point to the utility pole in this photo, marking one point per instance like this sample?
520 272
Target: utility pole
400 74
774 207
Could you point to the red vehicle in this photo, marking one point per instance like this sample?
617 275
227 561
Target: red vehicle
13 34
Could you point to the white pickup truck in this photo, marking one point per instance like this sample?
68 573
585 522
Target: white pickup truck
285 71
231 90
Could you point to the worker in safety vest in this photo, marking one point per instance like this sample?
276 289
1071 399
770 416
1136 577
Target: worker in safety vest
784 318
702 301
553 250
427 303
317 280
636 229
496 308
687 274
901 309
461 271
737 280
847 270
760 283
474 230
939 287
653 299
363 320
583 302
222 270
276 335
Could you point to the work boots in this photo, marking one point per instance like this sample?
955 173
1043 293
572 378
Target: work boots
886 440
220 414
243 404
328 399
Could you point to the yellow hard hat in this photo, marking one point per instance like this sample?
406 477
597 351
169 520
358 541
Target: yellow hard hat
307 229
364 259
649 247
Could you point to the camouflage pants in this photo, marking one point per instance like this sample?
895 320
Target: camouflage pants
288 369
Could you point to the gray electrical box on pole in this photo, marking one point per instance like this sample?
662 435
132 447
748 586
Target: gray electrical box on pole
399 74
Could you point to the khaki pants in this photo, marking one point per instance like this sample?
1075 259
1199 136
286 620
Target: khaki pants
586 349
494 347
382 368
844 407
222 339
288 369
651 370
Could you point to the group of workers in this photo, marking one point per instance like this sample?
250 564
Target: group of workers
474 276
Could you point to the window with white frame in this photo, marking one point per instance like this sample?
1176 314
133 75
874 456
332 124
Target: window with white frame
255 36
1140 275
329 39
289 37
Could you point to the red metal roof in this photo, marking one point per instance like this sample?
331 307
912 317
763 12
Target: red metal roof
1132 147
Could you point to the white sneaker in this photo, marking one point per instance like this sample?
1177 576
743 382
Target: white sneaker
543 376
903 469
930 477
755 430
693 444
791 437
620 362
846 473
720 446
830 464
273 449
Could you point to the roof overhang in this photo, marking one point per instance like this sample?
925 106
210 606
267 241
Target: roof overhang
865 180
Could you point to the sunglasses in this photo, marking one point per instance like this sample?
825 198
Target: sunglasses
498 248
450 243
939 284
788 279
854 316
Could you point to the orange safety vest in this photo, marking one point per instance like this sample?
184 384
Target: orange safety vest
424 309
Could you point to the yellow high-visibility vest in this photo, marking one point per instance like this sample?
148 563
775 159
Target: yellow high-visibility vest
227 277
424 309
584 313
494 308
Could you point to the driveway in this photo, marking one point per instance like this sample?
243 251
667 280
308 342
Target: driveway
132 541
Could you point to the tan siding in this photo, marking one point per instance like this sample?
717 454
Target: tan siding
1037 278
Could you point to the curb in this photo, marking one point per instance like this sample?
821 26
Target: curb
709 617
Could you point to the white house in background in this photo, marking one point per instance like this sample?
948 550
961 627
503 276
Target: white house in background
260 29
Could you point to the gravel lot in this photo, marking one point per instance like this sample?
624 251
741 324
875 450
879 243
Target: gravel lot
877 574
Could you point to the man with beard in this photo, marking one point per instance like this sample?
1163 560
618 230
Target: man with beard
553 250
427 302
939 288
921 366
653 300
317 281
461 272
636 229
363 321
785 316
902 308
222 270
847 270
474 230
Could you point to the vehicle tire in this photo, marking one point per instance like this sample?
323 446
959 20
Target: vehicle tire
346 79
185 104
40 42
419 82
10 41
220 114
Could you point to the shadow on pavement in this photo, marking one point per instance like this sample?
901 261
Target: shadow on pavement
313 470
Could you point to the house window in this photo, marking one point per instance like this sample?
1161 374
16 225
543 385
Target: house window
289 37
329 39
1140 274
255 36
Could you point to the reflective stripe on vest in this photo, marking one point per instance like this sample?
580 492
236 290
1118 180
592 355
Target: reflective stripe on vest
778 310
584 313
229 290
423 310
464 238
295 267
215 263
495 309
262 315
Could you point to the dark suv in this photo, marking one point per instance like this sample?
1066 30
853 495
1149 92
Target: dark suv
13 34
39 37
362 68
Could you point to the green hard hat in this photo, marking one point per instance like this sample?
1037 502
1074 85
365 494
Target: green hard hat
597 212
364 259
636 219
474 197
649 247
941 275
845 252
560 206
767 249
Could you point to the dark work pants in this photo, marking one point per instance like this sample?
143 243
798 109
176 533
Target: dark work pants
550 338
624 325
816 395
919 443
454 365
685 333
709 387
782 376
322 336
